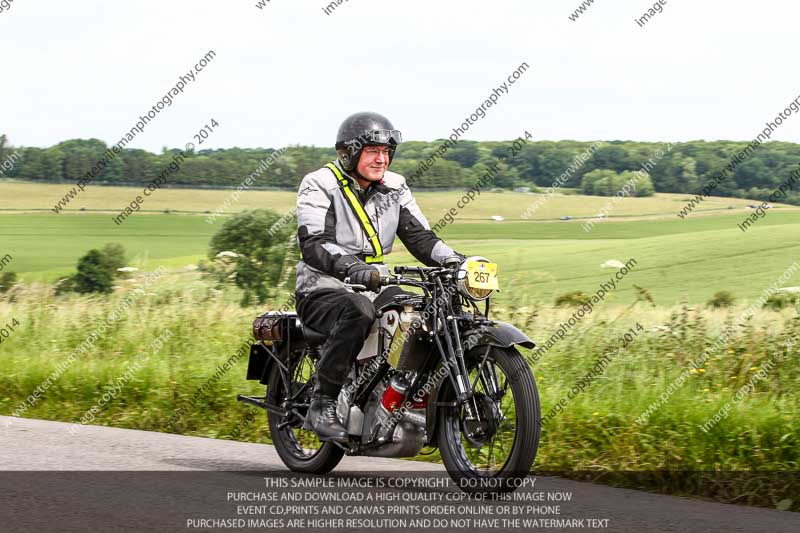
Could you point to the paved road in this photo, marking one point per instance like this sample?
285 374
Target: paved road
108 479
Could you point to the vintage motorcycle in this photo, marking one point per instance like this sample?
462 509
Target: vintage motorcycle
435 371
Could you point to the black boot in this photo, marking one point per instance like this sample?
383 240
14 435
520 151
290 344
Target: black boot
323 419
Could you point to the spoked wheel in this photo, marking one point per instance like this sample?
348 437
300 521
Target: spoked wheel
299 448
491 447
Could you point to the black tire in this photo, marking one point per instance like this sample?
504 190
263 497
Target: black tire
527 423
288 441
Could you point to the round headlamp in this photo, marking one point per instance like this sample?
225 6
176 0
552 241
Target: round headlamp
465 287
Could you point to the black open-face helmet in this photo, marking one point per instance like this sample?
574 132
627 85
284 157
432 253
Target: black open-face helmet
364 129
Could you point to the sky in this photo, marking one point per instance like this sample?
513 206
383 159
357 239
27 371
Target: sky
289 73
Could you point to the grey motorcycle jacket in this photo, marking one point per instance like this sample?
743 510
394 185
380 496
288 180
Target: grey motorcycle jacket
332 238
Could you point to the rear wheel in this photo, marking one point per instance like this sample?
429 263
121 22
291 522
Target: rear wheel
493 450
299 448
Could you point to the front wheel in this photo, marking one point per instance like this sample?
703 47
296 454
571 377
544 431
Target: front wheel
491 447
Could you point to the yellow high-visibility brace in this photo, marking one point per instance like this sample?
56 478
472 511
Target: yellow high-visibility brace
361 215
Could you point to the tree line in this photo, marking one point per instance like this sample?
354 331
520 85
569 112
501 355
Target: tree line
685 169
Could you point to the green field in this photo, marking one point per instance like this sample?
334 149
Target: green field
46 246
23 196
539 259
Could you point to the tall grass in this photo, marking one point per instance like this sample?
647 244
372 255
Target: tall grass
597 430
206 327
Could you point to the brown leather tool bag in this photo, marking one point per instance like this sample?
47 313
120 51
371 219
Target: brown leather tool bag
270 327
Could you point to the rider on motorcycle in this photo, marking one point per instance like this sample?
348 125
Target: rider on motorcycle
348 214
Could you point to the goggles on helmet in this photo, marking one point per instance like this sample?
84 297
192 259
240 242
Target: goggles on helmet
382 137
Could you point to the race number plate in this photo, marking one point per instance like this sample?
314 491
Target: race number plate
482 275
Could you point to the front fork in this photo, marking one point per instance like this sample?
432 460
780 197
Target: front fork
452 354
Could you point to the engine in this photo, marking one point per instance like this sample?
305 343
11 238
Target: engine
387 409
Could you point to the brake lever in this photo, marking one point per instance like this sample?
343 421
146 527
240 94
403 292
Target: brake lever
354 286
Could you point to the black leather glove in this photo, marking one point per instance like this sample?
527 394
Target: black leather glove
366 275
453 260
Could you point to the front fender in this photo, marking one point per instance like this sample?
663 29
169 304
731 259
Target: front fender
500 334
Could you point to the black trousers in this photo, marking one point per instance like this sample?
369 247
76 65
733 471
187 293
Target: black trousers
347 319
